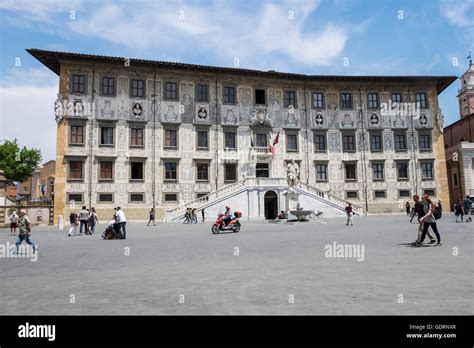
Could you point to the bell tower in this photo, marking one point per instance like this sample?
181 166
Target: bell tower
466 93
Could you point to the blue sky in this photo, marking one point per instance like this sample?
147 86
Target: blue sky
375 37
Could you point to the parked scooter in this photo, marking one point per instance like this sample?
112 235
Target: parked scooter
233 225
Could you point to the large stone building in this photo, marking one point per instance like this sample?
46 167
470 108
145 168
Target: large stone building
139 133
459 142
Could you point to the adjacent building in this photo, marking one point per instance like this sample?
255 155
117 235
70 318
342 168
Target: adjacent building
459 142
139 134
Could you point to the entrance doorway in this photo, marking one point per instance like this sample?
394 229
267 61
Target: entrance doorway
271 205
262 171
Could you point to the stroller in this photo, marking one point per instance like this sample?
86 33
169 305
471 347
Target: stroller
112 232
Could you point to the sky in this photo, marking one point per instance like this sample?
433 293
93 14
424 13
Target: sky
342 37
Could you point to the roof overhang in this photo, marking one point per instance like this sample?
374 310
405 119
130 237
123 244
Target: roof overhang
53 60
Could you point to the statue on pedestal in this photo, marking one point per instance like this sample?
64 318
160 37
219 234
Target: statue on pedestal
292 173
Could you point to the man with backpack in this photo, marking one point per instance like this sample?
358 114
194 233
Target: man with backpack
467 209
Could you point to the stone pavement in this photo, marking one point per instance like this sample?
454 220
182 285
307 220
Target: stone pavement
265 269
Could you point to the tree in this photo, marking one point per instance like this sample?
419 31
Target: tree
18 165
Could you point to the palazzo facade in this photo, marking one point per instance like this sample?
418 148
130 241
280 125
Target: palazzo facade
138 133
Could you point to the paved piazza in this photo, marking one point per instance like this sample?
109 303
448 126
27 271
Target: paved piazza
278 269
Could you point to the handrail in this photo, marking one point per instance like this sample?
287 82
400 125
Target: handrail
330 197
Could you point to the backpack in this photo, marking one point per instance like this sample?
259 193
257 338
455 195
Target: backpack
437 213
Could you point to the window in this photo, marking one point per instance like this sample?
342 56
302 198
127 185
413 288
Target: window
346 101
260 97
230 140
76 197
403 193
291 142
426 170
202 172
138 88
136 170
262 170
377 171
321 172
352 194
77 135
230 173
350 171
380 194
106 198
108 86
376 142
373 100
262 139
171 171
289 98
75 170
402 170
171 138
318 100
79 84
171 197
203 194
429 192
137 197
348 142
171 90
400 142
201 93
319 142
136 137
425 141
106 170
229 95
202 139
106 135
421 100
396 98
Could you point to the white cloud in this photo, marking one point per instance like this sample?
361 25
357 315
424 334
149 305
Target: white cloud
459 13
26 108
217 28
40 10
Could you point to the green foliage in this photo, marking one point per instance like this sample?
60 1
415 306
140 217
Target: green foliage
18 164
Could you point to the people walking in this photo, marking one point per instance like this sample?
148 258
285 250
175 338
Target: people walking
467 205
13 223
24 233
349 214
459 211
419 213
152 217
93 221
440 206
122 221
73 220
428 220
407 206
83 218
203 214
194 218
187 216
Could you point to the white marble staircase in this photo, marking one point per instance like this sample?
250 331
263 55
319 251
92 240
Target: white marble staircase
227 193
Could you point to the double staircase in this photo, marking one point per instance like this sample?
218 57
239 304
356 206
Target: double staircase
218 197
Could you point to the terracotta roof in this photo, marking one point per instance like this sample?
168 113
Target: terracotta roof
52 59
